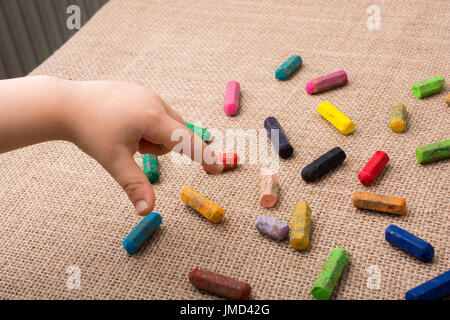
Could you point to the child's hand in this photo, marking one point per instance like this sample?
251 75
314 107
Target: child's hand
108 120
114 120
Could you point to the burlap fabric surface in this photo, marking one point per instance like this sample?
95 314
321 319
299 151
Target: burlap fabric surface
61 209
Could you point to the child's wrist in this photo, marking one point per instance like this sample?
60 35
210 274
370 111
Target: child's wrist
68 111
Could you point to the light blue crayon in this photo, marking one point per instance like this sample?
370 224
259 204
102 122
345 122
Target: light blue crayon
137 237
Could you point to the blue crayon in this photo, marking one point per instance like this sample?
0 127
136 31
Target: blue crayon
282 146
433 289
137 237
410 243
288 67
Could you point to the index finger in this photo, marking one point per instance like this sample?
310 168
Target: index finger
178 138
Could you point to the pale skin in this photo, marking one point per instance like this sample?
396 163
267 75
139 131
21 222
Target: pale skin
108 120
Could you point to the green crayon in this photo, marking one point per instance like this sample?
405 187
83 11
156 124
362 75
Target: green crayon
151 167
433 152
428 87
204 134
330 275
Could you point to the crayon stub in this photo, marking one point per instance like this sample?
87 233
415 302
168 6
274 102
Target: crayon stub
328 82
398 117
229 160
268 195
150 167
380 203
288 67
282 144
433 152
323 164
300 227
336 117
202 133
220 285
410 243
433 289
272 227
145 228
330 275
203 205
232 94
373 168
428 87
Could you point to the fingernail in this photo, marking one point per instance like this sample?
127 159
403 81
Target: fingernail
219 167
140 207
219 162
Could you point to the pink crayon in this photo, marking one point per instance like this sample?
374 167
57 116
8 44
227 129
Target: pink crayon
328 82
231 104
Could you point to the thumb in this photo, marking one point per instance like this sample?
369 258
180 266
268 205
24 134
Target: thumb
134 182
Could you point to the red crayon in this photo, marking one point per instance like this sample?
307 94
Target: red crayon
373 168
230 160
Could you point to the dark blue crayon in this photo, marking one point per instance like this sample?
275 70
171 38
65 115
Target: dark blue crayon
410 243
433 289
283 147
323 164
137 237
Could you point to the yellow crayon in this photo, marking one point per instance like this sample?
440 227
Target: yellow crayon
203 205
398 117
336 118
300 226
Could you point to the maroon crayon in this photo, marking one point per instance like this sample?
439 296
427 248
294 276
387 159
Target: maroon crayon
220 285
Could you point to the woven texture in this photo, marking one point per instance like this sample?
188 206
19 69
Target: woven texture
60 208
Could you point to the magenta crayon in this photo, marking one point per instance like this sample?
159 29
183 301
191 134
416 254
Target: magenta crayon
232 94
328 82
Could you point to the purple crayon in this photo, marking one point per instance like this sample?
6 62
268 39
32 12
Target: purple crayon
272 227
328 82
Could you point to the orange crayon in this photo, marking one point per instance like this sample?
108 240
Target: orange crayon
375 202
